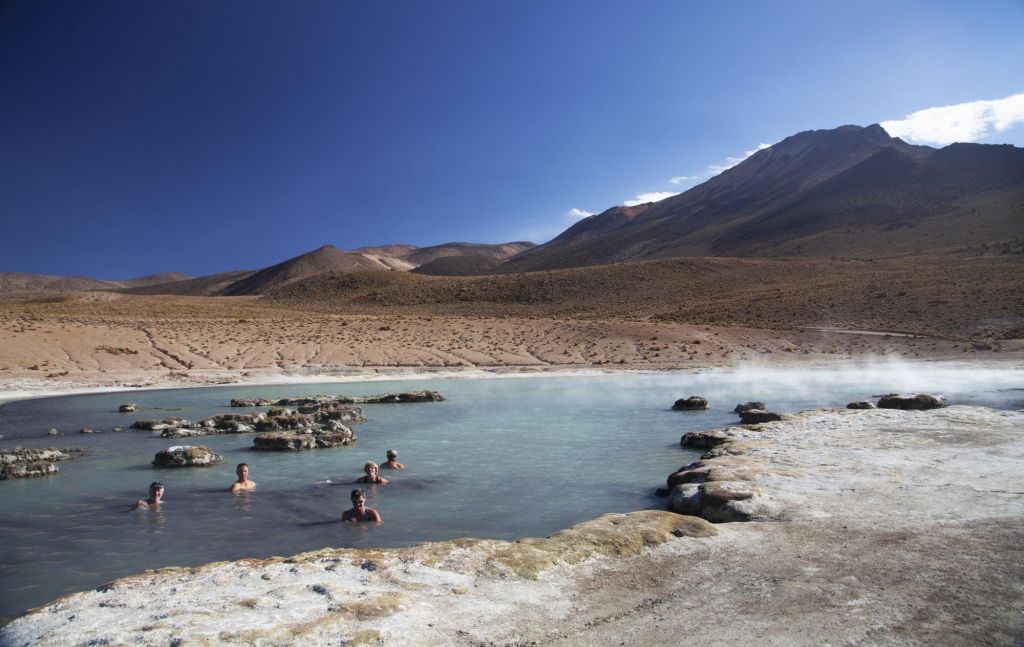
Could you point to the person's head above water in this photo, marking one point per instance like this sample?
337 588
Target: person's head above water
392 454
370 468
156 489
358 497
243 471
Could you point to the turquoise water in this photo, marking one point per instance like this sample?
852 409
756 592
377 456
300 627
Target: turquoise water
501 458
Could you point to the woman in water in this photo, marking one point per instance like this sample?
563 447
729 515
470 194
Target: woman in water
371 474
359 511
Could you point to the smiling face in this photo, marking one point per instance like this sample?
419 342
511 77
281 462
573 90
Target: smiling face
370 469
359 503
156 492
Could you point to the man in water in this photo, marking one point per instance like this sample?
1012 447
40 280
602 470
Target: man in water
243 482
392 462
156 494
371 474
359 511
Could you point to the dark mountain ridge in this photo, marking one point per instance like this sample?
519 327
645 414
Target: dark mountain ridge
844 191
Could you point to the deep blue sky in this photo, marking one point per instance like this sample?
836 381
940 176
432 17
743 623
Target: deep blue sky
202 136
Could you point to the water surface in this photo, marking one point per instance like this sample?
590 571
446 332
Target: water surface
501 458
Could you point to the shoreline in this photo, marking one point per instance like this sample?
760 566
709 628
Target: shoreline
14 389
860 521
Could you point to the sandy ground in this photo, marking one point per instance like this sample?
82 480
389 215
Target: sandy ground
873 527
157 342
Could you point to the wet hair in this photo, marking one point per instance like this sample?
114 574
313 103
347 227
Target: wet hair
357 494
370 464
241 465
156 485
392 454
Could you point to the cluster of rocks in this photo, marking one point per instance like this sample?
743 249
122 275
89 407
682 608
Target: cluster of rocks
187 456
317 401
23 462
305 439
720 486
751 413
327 418
905 402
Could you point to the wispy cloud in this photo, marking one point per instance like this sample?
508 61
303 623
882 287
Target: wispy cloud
715 169
680 179
577 214
963 122
654 196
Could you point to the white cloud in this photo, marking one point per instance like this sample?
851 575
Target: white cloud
963 122
654 196
578 214
683 178
715 169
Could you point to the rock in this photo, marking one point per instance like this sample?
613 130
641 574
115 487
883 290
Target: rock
747 406
22 463
285 441
757 416
160 425
314 403
861 404
914 402
117 429
281 411
715 501
52 432
704 439
187 456
85 430
27 469
282 423
250 403
131 407
692 403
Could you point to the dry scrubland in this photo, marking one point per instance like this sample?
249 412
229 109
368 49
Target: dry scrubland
663 314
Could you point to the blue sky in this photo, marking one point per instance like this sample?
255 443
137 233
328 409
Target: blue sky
199 136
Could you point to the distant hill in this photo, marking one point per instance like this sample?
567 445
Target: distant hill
203 286
473 265
407 257
847 192
324 259
155 279
19 282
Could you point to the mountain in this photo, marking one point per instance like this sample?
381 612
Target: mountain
850 191
155 279
203 286
324 259
19 282
472 265
407 257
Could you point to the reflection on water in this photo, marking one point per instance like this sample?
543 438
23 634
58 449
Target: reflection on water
501 458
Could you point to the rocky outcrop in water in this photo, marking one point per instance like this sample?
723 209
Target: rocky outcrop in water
280 419
912 402
337 436
758 416
309 404
131 407
692 403
187 456
703 439
747 406
23 463
861 405
160 425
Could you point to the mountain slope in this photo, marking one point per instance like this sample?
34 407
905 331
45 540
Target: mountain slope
851 187
20 282
324 259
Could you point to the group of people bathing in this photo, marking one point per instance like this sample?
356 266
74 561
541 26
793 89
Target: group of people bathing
359 511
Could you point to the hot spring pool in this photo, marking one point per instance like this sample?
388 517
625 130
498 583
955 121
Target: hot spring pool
501 458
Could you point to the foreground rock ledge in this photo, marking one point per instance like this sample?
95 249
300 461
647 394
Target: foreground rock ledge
352 594
880 527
